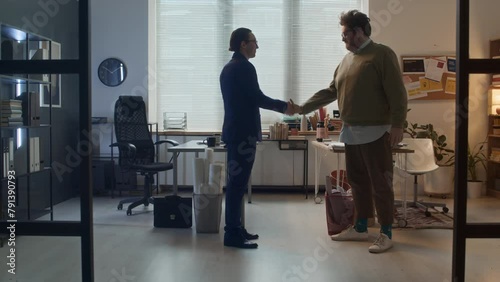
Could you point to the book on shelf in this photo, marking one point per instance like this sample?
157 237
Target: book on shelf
11 118
10 102
11 124
10 106
9 112
495 79
278 131
10 109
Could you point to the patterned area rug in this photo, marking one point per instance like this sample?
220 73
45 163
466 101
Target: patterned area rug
416 218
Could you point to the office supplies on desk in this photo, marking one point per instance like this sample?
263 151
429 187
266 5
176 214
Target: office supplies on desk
321 131
303 123
211 141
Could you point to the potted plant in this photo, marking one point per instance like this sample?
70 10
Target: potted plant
444 155
474 157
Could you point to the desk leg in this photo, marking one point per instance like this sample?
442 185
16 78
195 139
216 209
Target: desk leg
304 172
338 171
316 172
174 184
404 192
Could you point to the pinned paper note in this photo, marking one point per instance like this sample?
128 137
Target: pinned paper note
434 69
450 87
413 90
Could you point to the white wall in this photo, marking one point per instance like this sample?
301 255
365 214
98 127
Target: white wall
119 28
422 27
428 27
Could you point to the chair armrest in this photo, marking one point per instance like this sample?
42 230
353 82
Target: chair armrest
171 142
127 147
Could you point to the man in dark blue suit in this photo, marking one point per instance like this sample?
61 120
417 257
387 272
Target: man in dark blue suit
241 130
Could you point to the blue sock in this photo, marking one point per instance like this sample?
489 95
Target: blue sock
361 225
387 230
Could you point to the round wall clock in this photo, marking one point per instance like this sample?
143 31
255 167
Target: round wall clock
112 72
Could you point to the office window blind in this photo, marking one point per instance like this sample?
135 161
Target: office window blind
299 49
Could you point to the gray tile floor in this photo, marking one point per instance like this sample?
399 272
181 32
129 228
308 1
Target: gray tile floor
294 246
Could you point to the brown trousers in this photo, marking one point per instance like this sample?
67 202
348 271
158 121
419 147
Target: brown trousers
369 171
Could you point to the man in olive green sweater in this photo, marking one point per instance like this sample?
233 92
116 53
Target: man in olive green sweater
373 103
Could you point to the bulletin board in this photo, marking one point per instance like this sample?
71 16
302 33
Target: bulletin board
429 77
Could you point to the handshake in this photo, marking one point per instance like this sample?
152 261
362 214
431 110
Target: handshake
292 108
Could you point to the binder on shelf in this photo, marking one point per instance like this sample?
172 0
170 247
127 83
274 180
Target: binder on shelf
34 154
11 154
7 155
5 158
21 158
30 108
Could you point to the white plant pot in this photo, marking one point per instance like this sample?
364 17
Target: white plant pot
474 189
439 181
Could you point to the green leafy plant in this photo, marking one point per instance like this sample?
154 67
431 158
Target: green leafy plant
444 155
474 157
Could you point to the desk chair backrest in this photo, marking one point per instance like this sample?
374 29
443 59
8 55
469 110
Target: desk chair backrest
131 126
422 160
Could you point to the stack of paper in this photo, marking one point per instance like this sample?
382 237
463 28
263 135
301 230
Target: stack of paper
336 144
11 113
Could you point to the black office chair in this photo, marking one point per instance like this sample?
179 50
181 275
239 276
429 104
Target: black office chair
136 146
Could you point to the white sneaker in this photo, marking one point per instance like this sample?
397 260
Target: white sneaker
350 234
382 244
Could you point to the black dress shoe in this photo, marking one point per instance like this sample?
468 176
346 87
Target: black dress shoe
239 242
249 236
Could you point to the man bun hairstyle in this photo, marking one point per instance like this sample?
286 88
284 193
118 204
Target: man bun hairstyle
238 35
355 18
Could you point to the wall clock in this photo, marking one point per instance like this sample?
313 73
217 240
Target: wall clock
112 72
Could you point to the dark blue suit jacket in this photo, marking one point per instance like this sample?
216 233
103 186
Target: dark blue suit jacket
242 99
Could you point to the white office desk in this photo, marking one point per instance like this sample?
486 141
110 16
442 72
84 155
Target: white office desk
195 146
320 147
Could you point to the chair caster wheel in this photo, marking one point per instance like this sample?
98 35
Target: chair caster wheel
402 223
445 209
427 214
129 212
318 200
120 207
